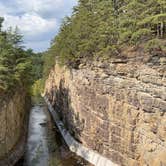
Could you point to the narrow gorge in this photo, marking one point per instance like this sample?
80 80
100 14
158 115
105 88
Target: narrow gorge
83 83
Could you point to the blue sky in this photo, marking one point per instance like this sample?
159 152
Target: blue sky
38 20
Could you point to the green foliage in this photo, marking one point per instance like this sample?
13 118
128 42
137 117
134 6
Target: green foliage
100 28
18 67
1 21
37 63
155 45
37 87
144 19
138 36
36 91
48 62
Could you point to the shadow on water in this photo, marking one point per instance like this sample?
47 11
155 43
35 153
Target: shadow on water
45 146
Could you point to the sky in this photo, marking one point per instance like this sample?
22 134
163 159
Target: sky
37 20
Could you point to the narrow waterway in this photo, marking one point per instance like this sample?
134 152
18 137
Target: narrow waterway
45 146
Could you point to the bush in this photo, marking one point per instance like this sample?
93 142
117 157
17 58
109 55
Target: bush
140 36
154 45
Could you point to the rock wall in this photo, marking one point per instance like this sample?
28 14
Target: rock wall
13 123
116 108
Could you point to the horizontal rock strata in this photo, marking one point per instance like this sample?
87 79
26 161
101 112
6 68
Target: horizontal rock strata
117 109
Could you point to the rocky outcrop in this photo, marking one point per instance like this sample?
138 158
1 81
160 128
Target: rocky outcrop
74 146
13 124
116 108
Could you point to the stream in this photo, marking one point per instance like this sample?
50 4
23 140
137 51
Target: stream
45 146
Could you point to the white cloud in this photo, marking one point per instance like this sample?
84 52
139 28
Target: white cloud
30 24
39 6
3 9
38 20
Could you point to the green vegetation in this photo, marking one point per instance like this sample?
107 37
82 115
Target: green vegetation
49 61
97 28
103 27
37 73
36 90
19 68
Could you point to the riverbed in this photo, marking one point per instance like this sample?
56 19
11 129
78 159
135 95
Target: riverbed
45 146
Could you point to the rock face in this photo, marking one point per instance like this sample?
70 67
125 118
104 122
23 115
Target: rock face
13 117
117 109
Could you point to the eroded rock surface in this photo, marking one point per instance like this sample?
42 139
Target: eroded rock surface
117 109
13 123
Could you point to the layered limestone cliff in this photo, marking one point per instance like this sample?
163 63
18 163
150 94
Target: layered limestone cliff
13 123
116 108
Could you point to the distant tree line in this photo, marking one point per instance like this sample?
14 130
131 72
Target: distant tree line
18 67
104 27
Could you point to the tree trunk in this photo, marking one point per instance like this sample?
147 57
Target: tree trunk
162 30
158 30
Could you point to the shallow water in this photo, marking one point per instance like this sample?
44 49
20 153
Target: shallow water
45 146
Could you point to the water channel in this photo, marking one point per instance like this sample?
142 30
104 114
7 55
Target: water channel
45 146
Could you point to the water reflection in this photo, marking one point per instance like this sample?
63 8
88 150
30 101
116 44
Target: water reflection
45 147
37 147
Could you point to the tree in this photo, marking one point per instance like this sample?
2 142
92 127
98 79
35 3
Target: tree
1 21
103 28
15 63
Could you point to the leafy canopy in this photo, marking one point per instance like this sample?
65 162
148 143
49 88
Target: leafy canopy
102 27
18 67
